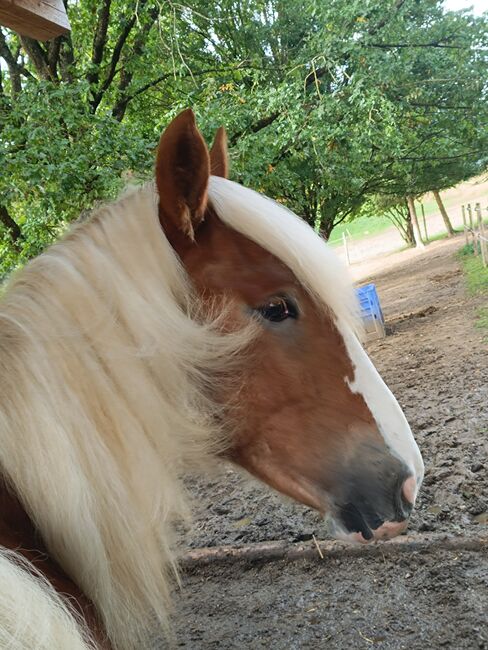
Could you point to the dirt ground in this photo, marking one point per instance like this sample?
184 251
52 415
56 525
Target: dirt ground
436 363
408 602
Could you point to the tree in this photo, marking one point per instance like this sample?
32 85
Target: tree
326 104
373 100
443 108
63 146
78 112
57 159
396 209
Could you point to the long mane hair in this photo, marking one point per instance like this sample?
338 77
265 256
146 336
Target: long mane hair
105 376
106 373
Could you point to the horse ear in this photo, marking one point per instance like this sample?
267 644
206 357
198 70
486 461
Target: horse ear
182 174
219 158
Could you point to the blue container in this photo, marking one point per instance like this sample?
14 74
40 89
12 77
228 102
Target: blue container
371 313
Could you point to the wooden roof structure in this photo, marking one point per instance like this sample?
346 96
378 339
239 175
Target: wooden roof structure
39 19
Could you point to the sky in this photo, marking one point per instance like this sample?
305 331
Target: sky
478 5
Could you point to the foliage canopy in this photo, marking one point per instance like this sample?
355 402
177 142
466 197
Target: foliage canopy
326 104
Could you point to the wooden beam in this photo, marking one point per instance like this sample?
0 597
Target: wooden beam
39 19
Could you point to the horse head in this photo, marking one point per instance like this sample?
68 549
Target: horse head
310 415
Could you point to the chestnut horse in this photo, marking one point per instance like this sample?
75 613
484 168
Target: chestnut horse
189 321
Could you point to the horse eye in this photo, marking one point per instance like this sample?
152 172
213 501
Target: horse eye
278 309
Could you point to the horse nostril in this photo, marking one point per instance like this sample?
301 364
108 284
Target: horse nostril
405 499
409 490
354 521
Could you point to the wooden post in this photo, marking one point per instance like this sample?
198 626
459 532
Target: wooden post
39 19
481 232
471 228
415 223
465 226
424 221
484 235
346 249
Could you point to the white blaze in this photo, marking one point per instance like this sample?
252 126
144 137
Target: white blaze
389 417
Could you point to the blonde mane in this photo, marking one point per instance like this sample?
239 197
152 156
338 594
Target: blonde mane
106 368
32 614
105 372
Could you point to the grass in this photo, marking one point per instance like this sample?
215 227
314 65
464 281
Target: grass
476 274
482 322
476 281
360 227
443 235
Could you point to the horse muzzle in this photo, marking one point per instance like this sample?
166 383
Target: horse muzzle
374 502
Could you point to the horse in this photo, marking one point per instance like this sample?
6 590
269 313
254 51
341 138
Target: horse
191 321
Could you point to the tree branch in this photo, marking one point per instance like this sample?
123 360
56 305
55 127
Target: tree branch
126 74
99 41
38 56
145 87
12 64
66 58
167 75
254 128
441 106
389 46
342 218
117 51
437 158
53 52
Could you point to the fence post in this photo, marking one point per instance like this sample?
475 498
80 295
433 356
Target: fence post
481 233
346 249
425 223
465 228
471 228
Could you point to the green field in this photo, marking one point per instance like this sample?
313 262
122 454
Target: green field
359 228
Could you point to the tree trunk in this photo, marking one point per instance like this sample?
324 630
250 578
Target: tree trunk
326 228
410 237
10 225
38 57
415 223
400 217
447 222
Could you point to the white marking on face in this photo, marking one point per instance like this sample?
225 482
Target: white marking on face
389 417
